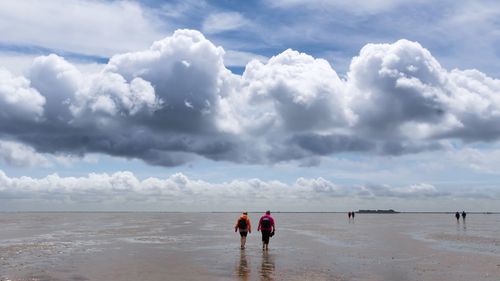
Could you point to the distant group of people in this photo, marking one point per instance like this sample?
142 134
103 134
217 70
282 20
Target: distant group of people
457 216
266 226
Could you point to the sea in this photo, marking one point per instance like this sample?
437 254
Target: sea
204 246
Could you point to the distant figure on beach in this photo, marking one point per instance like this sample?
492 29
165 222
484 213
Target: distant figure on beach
267 228
352 214
349 215
457 215
463 215
244 226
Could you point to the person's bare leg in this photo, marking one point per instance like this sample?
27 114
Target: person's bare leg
243 241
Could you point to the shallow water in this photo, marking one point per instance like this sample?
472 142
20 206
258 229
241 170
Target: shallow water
203 246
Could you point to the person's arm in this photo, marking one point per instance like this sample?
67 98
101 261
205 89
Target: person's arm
249 225
274 225
236 225
258 227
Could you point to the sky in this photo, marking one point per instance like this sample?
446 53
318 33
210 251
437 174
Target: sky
288 105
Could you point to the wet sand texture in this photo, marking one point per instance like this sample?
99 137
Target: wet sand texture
166 246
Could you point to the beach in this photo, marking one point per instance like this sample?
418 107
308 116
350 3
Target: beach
204 246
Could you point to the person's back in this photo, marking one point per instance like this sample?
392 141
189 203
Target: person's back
463 215
457 215
266 222
244 226
243 223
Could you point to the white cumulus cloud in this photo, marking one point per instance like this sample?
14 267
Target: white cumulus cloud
19 155
18 99
177 101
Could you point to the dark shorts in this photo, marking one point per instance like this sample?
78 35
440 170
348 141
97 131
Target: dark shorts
265 236
243 233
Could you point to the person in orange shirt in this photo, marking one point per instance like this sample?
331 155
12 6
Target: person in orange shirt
244 226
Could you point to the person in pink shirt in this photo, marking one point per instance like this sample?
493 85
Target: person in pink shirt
267 227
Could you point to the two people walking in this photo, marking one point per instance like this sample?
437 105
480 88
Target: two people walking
457 215
266 227
350 215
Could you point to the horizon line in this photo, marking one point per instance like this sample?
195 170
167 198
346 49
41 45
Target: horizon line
253 212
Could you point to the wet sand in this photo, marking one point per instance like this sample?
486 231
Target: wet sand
166 246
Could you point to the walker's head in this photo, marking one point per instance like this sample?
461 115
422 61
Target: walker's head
245 213
268 212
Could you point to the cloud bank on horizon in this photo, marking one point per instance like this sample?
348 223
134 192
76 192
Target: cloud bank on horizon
176 101
125 190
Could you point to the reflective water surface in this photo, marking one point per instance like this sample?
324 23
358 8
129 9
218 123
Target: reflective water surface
204 246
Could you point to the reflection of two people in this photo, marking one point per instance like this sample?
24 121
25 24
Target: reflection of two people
457 216
266 271
464 226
